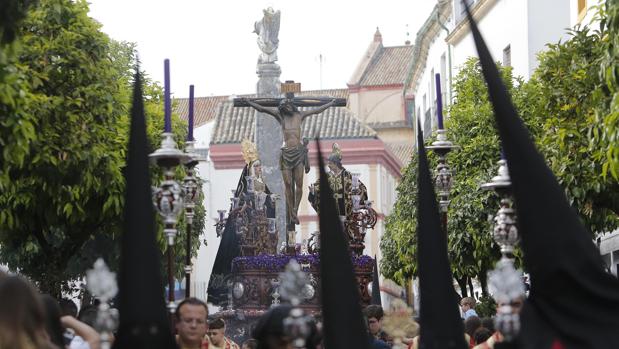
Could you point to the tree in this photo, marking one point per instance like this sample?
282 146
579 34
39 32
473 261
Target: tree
61 205
568 79
471 249
607 138
563 116
399 242
16 126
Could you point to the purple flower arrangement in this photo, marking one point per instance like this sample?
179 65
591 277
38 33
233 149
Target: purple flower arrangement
277 263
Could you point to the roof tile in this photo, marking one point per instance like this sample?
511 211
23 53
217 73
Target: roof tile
204 108
402 150
388 67
232 125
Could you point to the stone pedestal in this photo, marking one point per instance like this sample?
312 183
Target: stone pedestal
269 140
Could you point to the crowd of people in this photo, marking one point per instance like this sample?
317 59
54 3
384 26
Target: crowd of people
35 320
31 320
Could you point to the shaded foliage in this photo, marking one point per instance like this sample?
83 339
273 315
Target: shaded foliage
561 106
608 113
568 79
62 182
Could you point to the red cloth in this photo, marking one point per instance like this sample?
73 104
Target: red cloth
557 345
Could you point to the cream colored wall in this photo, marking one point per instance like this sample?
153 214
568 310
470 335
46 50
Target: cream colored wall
378 105
353 103
399 134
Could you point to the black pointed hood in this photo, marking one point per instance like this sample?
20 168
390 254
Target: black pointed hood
572 298
376 285
143 319
441 325
341 305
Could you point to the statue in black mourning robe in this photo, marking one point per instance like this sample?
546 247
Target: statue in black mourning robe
230 245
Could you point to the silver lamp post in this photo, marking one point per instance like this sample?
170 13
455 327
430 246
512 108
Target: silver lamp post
168 200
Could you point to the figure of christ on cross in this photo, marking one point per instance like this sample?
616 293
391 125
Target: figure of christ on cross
294 159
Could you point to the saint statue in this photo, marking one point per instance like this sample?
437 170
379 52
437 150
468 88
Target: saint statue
294 160
341 182
268 29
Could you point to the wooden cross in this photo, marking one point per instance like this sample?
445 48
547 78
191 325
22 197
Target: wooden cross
290 88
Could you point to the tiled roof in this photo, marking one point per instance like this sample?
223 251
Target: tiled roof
232 125
335 93
204 108
402 150
389 66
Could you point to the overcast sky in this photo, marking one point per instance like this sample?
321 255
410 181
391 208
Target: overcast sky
210 42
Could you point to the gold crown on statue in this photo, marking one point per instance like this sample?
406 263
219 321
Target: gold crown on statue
249 150
336 153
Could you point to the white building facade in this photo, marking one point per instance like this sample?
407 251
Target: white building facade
514 30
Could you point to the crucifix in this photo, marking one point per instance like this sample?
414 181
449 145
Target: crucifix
294 159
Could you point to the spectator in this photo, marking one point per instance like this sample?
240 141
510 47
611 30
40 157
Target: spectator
67 307
481 335
488 323
470 326
496 337
22 316
467 304
374 316
53 327
88 315
217 335
191 324
250 344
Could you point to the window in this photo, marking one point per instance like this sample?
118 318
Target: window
507 56
443 80
427 125
410 108
606 259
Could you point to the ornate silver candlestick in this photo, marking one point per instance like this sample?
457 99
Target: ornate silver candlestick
101 283
505 232
443 179
191 187
220 225
505 281
168 200
295 287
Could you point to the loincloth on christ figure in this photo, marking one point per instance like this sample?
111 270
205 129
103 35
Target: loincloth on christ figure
294 156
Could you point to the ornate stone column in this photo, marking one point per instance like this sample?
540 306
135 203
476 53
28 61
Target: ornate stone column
269 139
